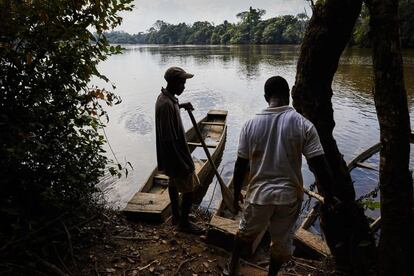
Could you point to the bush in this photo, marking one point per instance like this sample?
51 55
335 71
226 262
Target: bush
51 153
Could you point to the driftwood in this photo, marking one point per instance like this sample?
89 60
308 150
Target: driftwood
132 238
148 265
182 263
51 267
307 239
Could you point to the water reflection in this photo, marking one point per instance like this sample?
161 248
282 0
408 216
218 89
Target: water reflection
248 59
231 78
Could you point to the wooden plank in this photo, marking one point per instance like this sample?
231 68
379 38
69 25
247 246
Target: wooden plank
311 243
364 155
365 165
161 176
200 145
148 202
228 229
225 224
217 112
213 123
375 225
310 218
148 207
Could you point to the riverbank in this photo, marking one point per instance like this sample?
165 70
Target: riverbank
111 245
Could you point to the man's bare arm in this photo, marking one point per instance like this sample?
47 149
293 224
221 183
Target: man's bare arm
324 178
240 170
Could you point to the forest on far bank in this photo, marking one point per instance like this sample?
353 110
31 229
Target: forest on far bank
252 29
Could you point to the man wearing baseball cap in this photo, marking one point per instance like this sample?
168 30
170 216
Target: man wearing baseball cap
173 155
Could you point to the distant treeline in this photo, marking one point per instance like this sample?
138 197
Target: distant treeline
251 29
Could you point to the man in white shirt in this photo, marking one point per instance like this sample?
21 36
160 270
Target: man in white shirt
271 144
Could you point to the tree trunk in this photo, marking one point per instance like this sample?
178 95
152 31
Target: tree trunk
393 116
328 32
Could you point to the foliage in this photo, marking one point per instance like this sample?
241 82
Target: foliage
370 204
406 12
251 29
51 149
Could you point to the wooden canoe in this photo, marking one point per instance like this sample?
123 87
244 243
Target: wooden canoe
223 227
313 244
152 201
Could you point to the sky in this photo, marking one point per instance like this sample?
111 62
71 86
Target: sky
146 12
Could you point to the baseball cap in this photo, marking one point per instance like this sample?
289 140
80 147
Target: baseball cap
173 73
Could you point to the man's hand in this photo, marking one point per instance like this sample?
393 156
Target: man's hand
186 106
237 200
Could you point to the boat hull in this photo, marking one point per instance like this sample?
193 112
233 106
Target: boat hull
152 202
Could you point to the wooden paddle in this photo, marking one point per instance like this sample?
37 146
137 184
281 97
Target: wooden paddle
225 191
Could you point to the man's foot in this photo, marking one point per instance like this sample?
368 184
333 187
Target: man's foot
190 228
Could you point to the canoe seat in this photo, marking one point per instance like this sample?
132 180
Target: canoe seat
227 225
149 206
311 243
213 123
200 145
161 179
161 176
217 112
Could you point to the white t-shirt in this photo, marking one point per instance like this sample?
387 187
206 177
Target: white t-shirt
274 141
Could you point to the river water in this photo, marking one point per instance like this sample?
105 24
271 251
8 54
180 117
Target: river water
231 78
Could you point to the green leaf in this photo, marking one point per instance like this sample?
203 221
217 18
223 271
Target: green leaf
370 204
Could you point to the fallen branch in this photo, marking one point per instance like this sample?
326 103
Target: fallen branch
96 269
60 260
314 195
132 238
167 251
14 242
69 243
301 263
130 256
47 265
182 263
253 265
21 268
148 265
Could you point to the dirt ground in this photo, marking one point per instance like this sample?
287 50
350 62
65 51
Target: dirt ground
111 245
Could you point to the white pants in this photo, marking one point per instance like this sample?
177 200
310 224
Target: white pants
280 219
